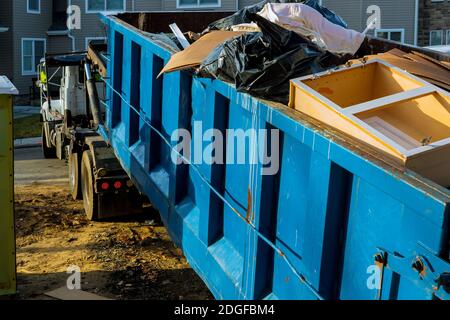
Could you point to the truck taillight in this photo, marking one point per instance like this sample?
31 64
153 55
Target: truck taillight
105 186
117 184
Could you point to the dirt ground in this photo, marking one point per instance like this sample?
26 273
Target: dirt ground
132 259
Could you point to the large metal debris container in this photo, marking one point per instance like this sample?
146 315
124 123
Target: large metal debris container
334 222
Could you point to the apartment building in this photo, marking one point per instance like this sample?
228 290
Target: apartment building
28 28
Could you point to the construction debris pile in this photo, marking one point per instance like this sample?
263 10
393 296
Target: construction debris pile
261 47
389 100
262 63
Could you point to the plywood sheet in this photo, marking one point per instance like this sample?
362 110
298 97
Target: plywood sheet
437 62
420 69
418 64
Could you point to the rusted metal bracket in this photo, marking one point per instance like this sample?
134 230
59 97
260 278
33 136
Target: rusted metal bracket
425 269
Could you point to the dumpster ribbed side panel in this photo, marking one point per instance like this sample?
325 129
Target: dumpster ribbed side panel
7 240
311 230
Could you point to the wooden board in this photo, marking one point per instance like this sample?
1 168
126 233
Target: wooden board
195 54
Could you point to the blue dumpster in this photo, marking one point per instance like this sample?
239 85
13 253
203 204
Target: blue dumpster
336 220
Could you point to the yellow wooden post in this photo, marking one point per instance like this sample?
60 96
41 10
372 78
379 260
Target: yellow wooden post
7 237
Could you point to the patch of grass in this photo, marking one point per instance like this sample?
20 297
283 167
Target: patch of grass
28 127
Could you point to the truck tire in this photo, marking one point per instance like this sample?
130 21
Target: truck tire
90 198
74 175
49 152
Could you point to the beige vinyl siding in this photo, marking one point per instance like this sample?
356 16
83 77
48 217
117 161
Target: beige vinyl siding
246 3
91 26
27 25
353 12
225 5
59 44
399 14
148 5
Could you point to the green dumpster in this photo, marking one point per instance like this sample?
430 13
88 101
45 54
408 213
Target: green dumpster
7 240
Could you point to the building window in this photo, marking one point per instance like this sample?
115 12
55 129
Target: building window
33 50
436 37
197 3
33 6
391 34
448 37
95 40
93 6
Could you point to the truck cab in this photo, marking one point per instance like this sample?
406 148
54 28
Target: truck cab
63 100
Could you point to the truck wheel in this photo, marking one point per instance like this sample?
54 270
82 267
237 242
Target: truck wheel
49 153
90 198
74 175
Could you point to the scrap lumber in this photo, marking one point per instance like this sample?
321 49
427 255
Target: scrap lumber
421 65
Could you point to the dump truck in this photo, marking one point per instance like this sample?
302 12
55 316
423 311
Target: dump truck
71 112
335 221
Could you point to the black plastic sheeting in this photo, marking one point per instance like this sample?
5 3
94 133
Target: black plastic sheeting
262 63
241 16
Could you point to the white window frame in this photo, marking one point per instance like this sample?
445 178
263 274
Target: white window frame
32 72
442 37
401 30
109 11
87 39
198 5
34 11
